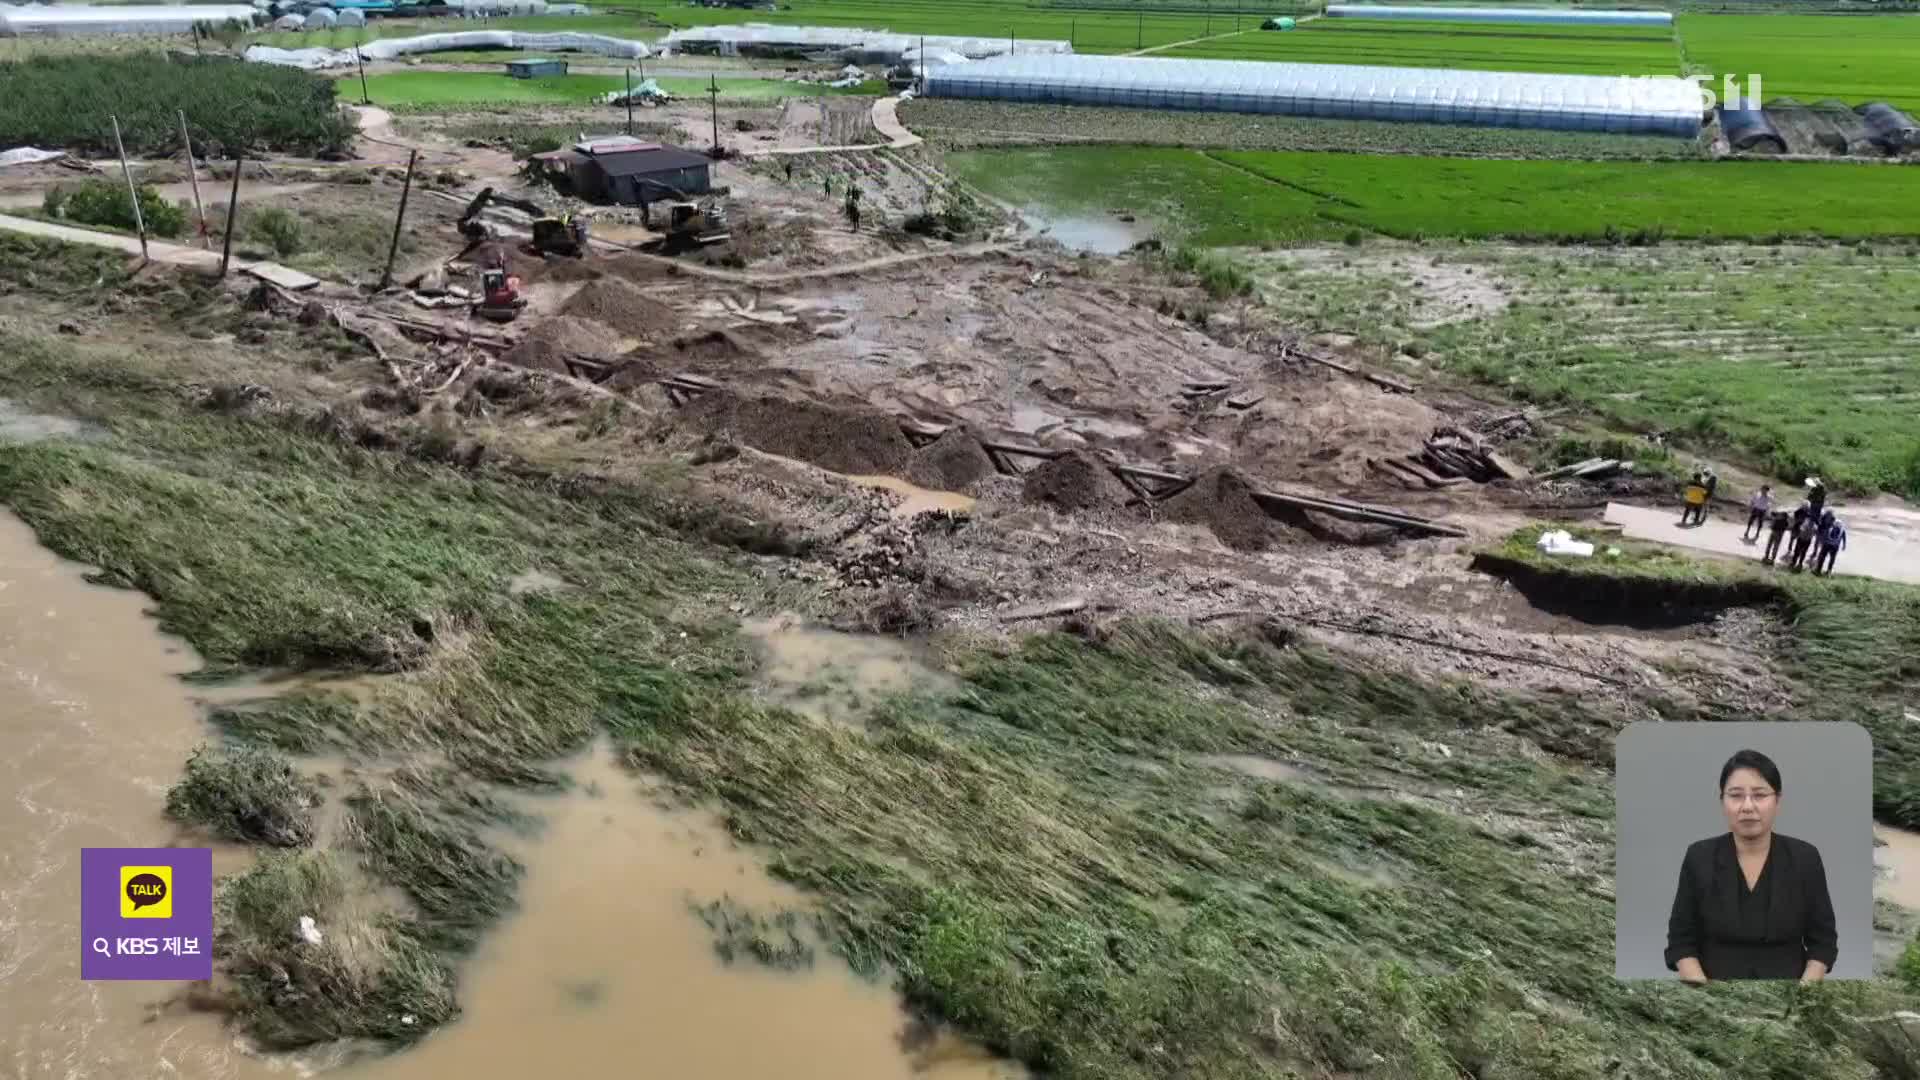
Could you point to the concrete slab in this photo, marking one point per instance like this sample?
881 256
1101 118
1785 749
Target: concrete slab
1869 553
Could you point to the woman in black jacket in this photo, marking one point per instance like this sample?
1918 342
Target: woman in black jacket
1752 903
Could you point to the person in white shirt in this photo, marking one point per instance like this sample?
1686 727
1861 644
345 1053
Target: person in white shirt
1757 509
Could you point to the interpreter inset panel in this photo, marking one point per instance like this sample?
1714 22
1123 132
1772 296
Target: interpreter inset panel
1744 851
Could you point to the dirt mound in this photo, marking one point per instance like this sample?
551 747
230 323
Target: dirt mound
859 442
623 307
1222 500
546 346
561 270
952 462
1074 481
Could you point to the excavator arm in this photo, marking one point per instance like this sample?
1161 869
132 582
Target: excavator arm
470 227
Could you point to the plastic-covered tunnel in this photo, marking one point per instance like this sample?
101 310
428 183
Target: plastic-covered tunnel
1561 16
1623 104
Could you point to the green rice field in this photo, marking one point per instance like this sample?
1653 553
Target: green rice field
436 89
1799 360
1582 50
1276 198
1855 58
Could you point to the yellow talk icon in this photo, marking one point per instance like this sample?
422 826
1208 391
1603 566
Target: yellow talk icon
146 892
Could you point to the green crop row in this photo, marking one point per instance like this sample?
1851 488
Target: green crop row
70 102
1245 198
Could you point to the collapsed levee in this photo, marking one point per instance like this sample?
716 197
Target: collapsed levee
1636 600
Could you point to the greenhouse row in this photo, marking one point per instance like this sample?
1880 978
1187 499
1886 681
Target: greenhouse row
1563 16
319 59
1661 105
844 43
72 20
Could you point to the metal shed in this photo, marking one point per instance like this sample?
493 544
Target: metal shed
536 67
622 169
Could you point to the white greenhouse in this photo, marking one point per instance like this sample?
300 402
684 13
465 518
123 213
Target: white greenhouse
76 20
844 42
1563 16
1661 105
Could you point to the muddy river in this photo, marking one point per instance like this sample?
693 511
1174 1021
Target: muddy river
607 970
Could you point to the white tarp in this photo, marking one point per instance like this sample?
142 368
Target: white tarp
1561 16
870 46
317 59
76 19
27 155
1561 542
646 91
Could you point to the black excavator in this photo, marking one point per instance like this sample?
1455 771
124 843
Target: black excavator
687 224
561 234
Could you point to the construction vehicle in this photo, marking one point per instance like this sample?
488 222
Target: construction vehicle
688 224
500 299
561 234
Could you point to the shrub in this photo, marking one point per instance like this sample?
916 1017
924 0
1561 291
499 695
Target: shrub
69 102
279 228
105 203
246 794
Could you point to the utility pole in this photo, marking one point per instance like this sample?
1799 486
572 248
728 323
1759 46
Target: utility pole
713 96
365 98
629 101
139 222
406 188
1139 30
199 213
233 207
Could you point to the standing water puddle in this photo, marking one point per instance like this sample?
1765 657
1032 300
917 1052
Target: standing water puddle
1091 233
1900 859
832 676
916 500
607 971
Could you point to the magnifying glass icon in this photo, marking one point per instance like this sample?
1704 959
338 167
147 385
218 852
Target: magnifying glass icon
100 946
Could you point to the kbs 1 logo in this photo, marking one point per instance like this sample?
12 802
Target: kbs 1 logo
146 913
1733 97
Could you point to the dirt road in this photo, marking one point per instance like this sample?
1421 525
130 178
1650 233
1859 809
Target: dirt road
158 251
1867 554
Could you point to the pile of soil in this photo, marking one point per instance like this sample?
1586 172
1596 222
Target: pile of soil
622 307
856 441
1222 500
952 462
546 347
1075 481
560 270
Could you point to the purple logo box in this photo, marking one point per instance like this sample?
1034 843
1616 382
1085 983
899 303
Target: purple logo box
178 946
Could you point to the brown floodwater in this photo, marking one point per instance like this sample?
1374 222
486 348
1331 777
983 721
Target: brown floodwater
915 499
1898 859
830 675
94 726
605 970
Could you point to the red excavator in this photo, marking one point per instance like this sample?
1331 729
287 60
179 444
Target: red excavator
500 299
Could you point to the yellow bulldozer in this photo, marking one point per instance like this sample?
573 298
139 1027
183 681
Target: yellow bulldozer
553 234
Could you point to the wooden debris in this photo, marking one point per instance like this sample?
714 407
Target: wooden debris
1591 468
1042 452
1245 400
1046 609
1356 512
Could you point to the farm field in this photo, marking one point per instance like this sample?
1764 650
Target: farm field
1580 50
1855 58
962 124
1254 197
70 101
1799 359
434 89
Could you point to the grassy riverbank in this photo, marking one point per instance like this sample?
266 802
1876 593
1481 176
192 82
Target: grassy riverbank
1078 852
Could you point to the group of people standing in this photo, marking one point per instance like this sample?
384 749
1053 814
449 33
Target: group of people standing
1813 534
